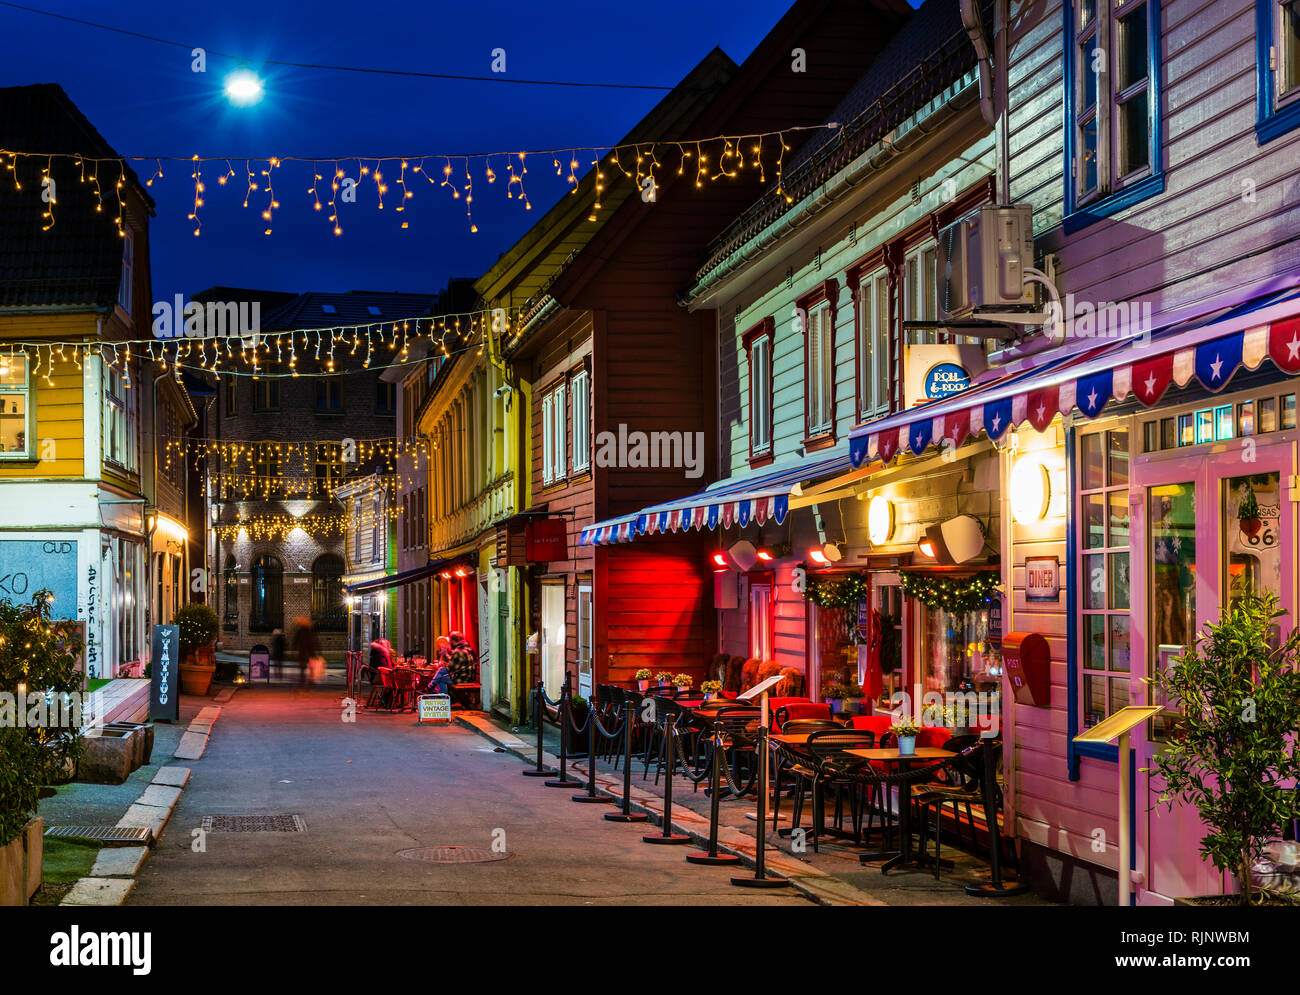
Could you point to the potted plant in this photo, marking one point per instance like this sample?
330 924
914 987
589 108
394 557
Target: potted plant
683 681
643 679
711 689
1248 512
834 693
663 678
198 632
1232 750
38 664
905 730
852 697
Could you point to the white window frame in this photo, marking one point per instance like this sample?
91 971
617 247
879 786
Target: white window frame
821 369
586 627
760 395
921 289
554 435
581 387
873 344
28 396
376 532
121 418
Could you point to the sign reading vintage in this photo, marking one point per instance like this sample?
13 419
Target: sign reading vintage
164 694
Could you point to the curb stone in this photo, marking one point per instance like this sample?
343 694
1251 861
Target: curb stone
814 883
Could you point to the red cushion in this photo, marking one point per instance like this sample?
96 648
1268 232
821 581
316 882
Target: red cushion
879 724
935 736
807 710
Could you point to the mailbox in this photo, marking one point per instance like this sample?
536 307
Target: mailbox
1028 663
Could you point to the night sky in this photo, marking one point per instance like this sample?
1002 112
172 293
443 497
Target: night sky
145 100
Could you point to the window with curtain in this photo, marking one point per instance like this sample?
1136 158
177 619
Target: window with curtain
16 440
820 353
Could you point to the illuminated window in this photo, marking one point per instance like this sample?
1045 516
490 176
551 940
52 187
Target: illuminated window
1278 26
15 408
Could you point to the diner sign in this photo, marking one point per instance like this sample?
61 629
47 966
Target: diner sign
434 708
1042 578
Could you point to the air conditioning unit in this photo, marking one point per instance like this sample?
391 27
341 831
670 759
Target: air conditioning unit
982 260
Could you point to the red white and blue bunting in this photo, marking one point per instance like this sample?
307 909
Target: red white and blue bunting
758 510
1086 382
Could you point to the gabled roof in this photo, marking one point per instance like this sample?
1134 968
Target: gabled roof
77 263
927 55
524 270
356 307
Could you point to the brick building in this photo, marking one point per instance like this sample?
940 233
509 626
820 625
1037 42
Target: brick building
278 449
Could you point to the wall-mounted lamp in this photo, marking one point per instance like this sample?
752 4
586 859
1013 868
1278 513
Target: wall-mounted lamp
1031 491
880 520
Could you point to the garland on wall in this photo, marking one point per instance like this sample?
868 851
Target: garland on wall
845 591
952 594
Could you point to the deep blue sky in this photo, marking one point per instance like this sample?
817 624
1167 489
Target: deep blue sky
144 99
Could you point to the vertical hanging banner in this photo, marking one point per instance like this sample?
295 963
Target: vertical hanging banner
165 692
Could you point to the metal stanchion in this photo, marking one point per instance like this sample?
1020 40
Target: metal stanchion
539 770
590 795
667 836
626 814
712 856
995 887
761 878
564 781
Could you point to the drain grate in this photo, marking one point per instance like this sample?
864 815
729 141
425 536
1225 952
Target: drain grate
453 854
254 824
105 834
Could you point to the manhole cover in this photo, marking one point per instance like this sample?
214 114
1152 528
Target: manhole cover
453 854
254 824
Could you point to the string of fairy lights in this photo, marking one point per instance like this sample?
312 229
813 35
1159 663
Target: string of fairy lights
329 181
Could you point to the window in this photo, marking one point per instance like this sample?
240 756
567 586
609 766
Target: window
581 420
584 634
760 620
1113 131
1278 32
15 408
758 342
230 397
124 287
406 521
268 595
421 519
328 609
819 360
328 473
329 394
126 600
232 590
377 522
1103 574
266 395
921 292
873 345
385 398
356 530
120 420
555 448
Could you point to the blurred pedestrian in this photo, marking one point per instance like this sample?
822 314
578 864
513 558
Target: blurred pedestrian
306 644
277 650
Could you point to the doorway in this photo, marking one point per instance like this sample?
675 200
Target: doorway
1192 554
553 637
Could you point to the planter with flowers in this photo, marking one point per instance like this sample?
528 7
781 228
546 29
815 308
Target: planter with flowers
198 635
711 689
905 731
683 682
664 679
643 680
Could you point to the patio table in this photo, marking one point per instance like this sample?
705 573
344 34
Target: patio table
890 754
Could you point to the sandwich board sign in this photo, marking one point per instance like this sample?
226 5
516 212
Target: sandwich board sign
165 692
434 708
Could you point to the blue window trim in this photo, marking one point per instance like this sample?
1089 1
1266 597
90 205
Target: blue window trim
1074 751
1270 123
1076 217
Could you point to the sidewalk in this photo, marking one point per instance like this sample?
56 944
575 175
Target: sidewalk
834 876
145 799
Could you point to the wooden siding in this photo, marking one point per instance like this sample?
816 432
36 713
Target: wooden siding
60 414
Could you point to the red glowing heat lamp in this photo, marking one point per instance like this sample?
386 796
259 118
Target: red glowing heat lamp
817 556
462 571
926 547
719 561
765 555
445 575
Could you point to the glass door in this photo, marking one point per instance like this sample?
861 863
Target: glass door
1198 541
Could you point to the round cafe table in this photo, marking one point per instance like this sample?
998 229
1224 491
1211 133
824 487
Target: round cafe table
890 755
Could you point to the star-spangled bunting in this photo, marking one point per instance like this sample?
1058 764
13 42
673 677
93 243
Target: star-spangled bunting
1217 360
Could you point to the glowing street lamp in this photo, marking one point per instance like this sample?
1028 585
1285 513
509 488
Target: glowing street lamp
243 88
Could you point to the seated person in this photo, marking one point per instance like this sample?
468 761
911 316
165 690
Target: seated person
441 681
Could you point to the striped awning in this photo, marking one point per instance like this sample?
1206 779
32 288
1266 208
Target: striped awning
1211 350
755 498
